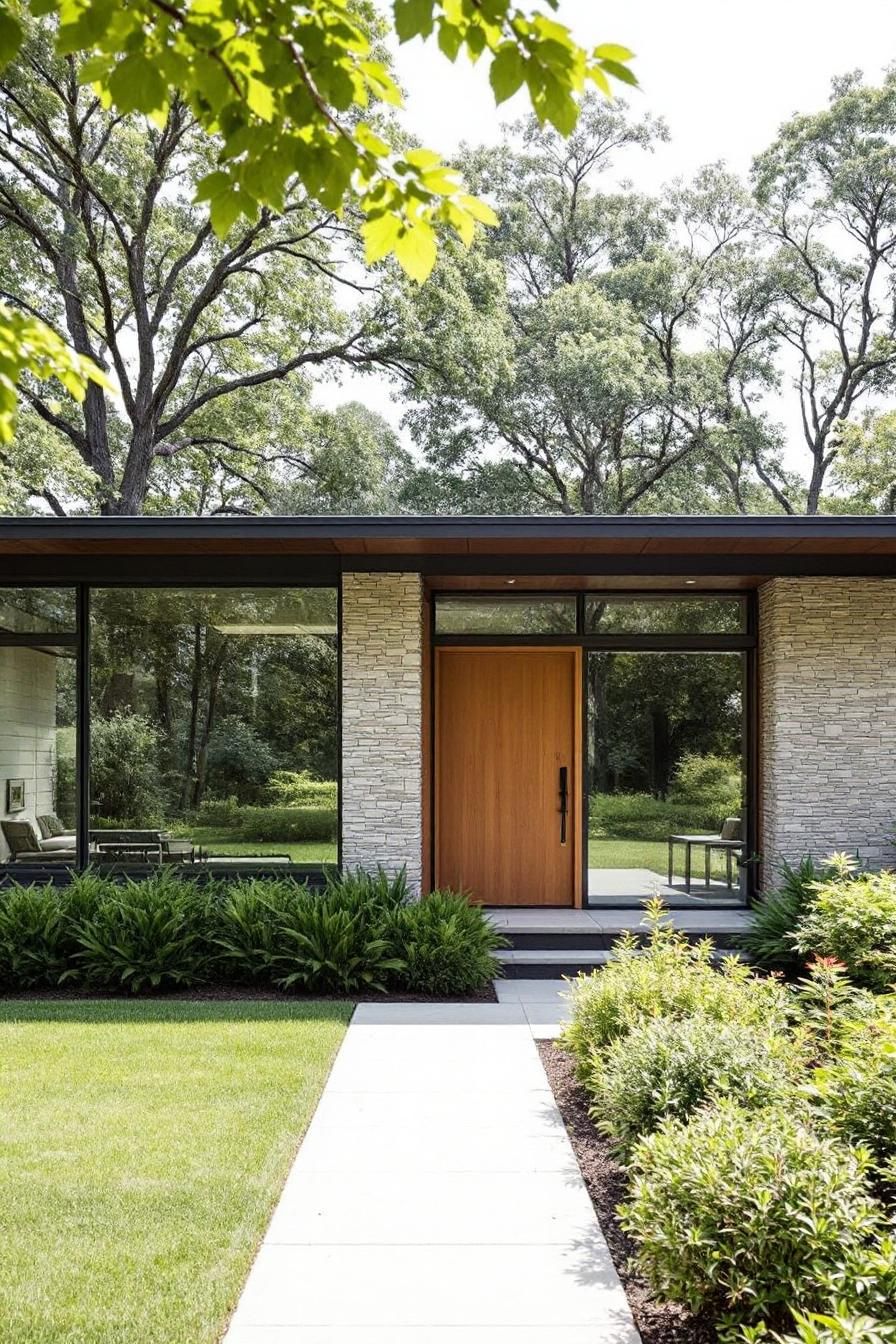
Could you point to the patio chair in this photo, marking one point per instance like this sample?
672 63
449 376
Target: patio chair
25 847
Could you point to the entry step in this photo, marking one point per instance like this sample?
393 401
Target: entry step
550 963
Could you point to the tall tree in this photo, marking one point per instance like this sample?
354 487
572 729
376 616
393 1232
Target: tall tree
562 344
99 236
827 189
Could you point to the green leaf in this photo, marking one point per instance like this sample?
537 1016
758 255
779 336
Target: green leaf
225 210
10 37
212 185
479 210
612 51
620 72
380 236
136 85
413 18
415 250
507 73
260 98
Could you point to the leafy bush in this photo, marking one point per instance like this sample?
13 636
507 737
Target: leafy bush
38 944
288 825
640 816
218 813
246 930
239 760
857 1090
852 917
768 941
831 1327
446 945
124 769
749 1213
670 1068
297 788
714 781
362 932
669 978
144 935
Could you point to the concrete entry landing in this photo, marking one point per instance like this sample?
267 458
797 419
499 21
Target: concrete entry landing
633 886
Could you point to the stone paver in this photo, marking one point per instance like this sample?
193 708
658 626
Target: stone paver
436 1196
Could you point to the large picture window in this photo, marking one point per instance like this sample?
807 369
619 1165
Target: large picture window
38 716
214 726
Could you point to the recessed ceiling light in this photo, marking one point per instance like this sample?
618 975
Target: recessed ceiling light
690 582
511 580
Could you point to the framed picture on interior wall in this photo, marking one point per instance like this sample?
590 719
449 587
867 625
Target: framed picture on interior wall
15 795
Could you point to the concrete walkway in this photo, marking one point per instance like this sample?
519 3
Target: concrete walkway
436 1198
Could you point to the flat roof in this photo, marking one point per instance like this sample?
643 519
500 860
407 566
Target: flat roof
753 545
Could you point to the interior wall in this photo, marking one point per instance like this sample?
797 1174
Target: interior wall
27 731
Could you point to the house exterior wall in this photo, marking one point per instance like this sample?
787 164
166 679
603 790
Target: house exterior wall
382 723
27 731
827 719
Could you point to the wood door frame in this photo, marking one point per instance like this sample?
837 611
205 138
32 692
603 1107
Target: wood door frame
577 792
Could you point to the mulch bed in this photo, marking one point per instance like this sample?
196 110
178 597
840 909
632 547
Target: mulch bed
657 1322
237 993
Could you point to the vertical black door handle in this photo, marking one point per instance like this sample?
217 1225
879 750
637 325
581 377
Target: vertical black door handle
564 797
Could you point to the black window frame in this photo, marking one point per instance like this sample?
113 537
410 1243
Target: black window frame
79 639
744 642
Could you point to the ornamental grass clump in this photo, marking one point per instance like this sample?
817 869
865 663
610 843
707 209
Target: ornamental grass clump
669 978
668 1068
751 1215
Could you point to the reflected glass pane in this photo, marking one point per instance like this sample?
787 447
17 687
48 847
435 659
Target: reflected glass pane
664 758
505 616
37 610
38 700
665 616
214 730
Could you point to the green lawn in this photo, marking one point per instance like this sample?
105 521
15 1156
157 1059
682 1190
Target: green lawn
652 854
215 841
142 1147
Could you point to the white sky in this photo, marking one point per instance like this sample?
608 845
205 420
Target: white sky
723 76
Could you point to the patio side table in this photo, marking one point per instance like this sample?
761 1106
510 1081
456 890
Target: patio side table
709 842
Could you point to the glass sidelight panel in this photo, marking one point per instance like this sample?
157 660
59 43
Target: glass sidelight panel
664 739
214 726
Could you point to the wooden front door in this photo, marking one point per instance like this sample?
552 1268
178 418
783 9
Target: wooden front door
507 727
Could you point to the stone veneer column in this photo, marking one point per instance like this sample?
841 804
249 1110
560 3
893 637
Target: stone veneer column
827 737
382 723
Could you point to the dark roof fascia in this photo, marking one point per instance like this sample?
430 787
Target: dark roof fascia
453 528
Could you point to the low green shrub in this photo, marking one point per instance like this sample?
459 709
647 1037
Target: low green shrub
38 943
640 816
297 788
668 978
714 781
245 926
668 1067
857 1089
768 942
326 946
286 825
217 813
852 917
752 1214
446 945
146 935
837 1326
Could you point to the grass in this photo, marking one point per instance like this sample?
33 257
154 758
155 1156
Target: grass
215 841
652 854
142 1147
